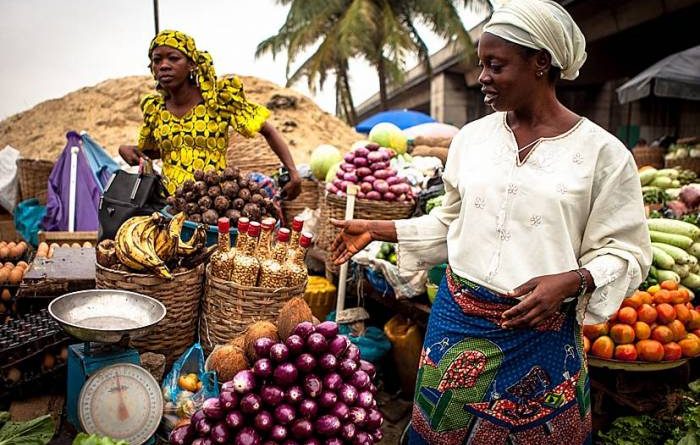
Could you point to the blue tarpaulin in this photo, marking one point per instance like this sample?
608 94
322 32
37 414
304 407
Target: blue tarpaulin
400 118
101 164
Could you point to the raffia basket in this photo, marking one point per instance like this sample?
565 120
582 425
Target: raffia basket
685 164
228 309
651 156
34 178
181 297
308 198
251 154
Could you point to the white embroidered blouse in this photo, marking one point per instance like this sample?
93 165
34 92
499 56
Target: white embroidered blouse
575 201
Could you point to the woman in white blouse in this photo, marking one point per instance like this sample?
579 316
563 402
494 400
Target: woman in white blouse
543 229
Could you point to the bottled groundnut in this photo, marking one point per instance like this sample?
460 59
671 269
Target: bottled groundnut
272 269
296 267
297 227
245 266
220 266
267 225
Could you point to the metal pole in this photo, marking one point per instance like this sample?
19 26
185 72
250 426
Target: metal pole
155 15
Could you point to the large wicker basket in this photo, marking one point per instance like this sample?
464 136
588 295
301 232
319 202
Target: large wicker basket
228 309
651 156
181 297
308 198
34 178
251 154
334 207
685 164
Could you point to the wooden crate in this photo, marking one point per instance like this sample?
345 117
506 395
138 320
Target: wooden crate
7 228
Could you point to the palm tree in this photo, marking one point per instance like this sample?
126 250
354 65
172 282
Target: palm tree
381 31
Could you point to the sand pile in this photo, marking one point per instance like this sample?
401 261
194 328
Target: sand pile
110 112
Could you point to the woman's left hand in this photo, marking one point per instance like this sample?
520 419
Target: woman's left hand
292 189
543 297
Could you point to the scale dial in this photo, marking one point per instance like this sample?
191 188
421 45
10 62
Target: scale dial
122 401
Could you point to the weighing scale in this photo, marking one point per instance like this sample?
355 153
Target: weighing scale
108 392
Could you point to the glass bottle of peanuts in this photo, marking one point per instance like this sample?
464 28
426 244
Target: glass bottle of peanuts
272 269
245 265
219 264
297 227
296 267
264 249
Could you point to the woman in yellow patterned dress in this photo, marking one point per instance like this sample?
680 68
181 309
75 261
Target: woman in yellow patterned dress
186 123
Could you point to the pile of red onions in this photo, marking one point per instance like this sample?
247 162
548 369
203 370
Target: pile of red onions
369 168
311 389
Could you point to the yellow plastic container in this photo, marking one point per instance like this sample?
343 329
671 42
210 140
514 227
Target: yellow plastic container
407 342
320 295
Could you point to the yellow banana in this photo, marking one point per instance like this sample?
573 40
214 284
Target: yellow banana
199 238
146 243
125 248
168 238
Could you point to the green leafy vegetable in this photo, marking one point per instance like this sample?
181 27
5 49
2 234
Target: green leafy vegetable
94 439
38 431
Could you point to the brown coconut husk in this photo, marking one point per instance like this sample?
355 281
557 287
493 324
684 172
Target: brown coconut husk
227 360
292 313
238 341
257 330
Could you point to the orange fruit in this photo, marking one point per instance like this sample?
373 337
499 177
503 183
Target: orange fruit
666 313
677 297
669 285
682 312
586 344
626 352
694 321
662 296
622 334
685 295
690 347
646 297
646 313
593 331
650 350
603 347
662 334
672 351
627 315
678 329
642 331
633 301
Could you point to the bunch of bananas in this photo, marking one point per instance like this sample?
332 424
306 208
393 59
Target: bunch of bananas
149 242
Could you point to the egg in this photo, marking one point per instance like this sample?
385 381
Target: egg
42 251
65 245
5 295
9 264
16 275
43 245
87 244
22 245
23 265
4 252
49 254
16 251
75 245
54 245
11 244
3 243
4 275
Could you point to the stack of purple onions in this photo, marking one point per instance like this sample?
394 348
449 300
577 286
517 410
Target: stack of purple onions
311 389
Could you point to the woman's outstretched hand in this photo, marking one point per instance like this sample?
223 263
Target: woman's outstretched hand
543 297
354 236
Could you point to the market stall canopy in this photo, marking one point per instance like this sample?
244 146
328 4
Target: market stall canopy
401 118
678 75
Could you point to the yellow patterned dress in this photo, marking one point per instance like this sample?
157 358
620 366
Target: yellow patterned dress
199 139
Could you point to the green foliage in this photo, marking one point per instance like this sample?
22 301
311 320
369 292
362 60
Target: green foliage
37 431
94 439
633 430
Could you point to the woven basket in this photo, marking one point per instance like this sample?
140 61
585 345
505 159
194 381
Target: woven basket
685 164
308 198
228 309
651 156
180 296
34 178
251 154
364 209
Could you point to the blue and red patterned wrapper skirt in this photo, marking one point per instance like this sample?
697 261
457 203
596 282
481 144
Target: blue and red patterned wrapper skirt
480 384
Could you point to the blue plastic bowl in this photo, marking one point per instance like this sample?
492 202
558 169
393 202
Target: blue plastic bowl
212 231
378 282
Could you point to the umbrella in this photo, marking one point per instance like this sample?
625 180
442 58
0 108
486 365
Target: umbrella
678 75
401 118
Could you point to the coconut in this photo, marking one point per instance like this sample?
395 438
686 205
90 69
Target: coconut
292 313
227 360
238 341
258 330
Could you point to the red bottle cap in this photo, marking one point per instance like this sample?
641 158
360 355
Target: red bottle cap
283 235
243 225
224 225
297 224
268 224
254 229
305 240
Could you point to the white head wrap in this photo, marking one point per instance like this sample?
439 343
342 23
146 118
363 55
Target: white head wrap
542 24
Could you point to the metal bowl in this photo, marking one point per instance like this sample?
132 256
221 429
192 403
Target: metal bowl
106 315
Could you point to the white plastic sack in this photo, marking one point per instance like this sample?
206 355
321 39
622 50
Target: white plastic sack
9 183
405 285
